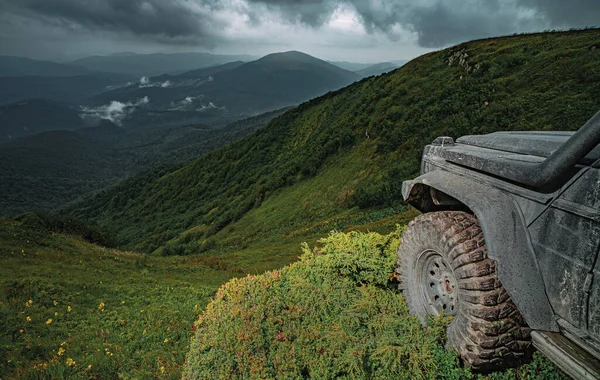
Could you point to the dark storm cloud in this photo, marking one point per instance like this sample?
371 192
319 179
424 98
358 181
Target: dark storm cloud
442 22
152 18
41 28
567 13
312 13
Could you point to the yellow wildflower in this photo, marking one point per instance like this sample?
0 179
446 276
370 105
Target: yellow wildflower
162 369
70 362
21 331
166 340
56 313
28 319
101 306
61 351
89 367
122 302
69 309
49 321
28 303
55 303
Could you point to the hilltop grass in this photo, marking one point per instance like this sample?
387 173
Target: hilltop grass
71 309
334 314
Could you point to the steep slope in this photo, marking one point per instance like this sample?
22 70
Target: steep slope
36 115
72 309
370 135
156 64
333 314
19 66
112 313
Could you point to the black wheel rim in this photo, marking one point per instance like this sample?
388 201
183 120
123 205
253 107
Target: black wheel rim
437 283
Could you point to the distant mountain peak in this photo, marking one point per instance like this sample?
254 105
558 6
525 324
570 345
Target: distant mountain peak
292 55
123 54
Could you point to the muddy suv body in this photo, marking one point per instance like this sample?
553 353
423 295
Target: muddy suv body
509 243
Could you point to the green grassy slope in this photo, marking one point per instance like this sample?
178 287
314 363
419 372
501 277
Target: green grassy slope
368 135
71 309
124 314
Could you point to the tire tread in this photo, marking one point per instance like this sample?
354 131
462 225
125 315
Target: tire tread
488 332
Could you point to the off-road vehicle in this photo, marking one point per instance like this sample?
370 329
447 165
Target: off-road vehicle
508 244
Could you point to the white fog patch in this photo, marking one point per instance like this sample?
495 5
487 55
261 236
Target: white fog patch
146 82
183 105
115 111
209 106
194 103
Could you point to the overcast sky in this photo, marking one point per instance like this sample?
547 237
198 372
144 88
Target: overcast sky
352 30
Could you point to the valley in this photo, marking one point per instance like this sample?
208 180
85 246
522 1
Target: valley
86 128
45 170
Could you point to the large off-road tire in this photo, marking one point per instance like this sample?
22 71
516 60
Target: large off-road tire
443 267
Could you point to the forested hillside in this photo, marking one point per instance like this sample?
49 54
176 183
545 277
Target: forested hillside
352 149
34 116
49 169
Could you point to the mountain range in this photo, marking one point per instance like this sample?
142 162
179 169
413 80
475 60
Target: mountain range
45 170
234 89
348 150
19 66
161 119
156 64
214 94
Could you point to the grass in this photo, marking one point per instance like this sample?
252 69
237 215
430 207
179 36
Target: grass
71 309
294 214
336 313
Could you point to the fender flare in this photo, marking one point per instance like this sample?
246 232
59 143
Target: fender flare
505 233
